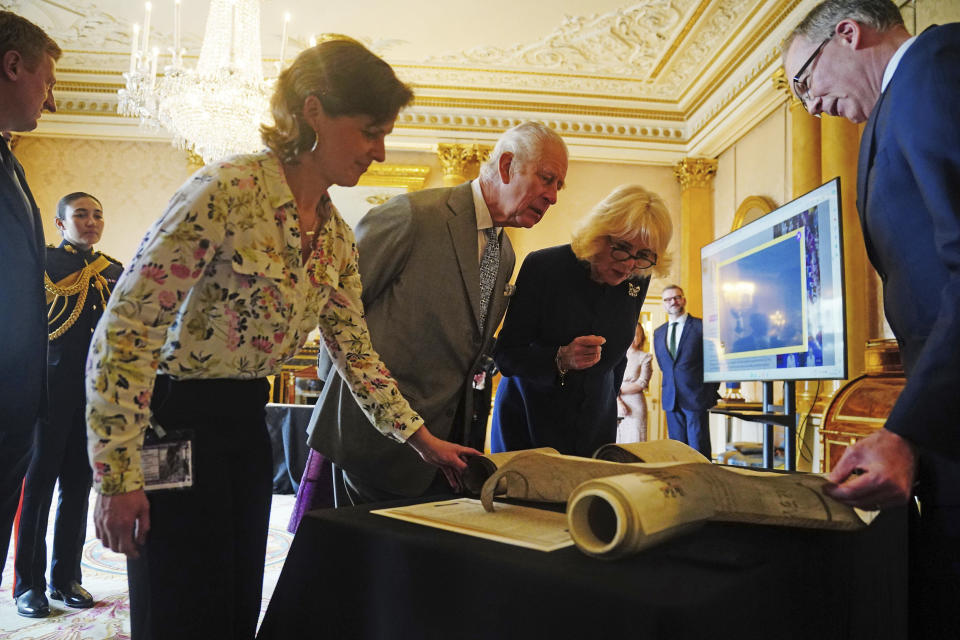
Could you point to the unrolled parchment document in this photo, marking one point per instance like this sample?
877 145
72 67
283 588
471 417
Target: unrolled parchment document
616 509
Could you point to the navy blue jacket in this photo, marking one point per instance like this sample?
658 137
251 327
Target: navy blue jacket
23 321
908 196
683 386
556 301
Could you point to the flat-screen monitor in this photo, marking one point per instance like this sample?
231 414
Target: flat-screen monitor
773 303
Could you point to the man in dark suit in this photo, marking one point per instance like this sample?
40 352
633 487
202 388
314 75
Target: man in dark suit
678 345
431 316
27 63
856 59
80 281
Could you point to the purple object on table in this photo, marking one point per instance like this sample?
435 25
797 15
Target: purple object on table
315 490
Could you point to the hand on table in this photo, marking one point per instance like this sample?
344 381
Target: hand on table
450 457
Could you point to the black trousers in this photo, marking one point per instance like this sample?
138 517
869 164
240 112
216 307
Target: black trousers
60 453
934 571
15 450
200 574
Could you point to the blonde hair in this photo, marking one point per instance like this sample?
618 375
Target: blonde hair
346 77
629 213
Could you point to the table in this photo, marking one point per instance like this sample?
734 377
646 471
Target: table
287 425
352 574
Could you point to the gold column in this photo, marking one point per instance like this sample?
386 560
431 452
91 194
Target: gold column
840 144
805 156
695 176
461 162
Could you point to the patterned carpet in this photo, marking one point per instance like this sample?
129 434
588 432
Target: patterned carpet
104 575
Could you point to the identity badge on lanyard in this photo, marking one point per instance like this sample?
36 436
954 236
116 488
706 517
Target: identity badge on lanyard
167 459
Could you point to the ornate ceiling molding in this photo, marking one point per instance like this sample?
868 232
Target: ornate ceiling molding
626 42
652 82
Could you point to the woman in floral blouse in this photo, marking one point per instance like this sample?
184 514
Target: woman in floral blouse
248 258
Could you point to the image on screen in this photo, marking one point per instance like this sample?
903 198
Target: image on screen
773 295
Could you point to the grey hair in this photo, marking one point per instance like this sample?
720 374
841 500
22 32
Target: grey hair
526 142
818 25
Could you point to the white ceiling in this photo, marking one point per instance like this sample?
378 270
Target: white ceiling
649 81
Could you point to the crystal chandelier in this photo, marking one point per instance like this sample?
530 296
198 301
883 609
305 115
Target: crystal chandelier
216 108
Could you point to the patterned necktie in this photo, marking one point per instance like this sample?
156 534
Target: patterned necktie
673 340
489 264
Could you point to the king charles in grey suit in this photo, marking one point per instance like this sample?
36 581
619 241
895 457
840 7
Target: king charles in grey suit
420 263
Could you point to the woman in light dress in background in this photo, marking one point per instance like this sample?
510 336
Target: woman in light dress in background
632 402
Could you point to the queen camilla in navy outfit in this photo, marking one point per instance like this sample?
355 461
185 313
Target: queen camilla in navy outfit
562 349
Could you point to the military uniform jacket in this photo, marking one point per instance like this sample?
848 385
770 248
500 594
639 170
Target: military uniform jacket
78 283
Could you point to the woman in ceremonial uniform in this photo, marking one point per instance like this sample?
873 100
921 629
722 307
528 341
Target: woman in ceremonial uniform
562 349
248 258
78 283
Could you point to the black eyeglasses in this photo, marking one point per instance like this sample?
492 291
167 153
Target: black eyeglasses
800 87
642 259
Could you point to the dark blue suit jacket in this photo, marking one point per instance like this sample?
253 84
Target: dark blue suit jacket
683 386
908 196
556 301
23 320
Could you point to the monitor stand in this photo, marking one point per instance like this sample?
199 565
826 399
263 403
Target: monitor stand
772 416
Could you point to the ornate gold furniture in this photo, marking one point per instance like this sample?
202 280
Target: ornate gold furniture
862 405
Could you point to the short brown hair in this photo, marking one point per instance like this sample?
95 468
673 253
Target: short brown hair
346 77
19 34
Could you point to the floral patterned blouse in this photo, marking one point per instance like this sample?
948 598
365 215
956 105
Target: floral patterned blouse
218 289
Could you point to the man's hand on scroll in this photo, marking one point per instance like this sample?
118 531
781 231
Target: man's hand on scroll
875 472
450 457
122 521
582 353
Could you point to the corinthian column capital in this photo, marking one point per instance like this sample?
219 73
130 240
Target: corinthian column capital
695 172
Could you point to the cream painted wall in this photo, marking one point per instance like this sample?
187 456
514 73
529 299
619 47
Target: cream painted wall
587 184
756 165
133 180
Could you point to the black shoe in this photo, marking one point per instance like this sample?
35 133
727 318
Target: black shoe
73 596
33 604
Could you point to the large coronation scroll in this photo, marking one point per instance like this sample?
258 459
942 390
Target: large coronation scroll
627 498
615 509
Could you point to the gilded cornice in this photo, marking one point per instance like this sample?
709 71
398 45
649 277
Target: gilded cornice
655 76
695 172
780 83
749 47
410 177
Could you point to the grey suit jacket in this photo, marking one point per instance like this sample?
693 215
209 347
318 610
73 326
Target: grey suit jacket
23 319
421 291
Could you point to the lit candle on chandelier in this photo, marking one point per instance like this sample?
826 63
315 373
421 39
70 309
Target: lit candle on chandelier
176 30
283 39
146 30
153 68
134 47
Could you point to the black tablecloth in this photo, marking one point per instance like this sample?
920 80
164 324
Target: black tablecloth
352 574
287 426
